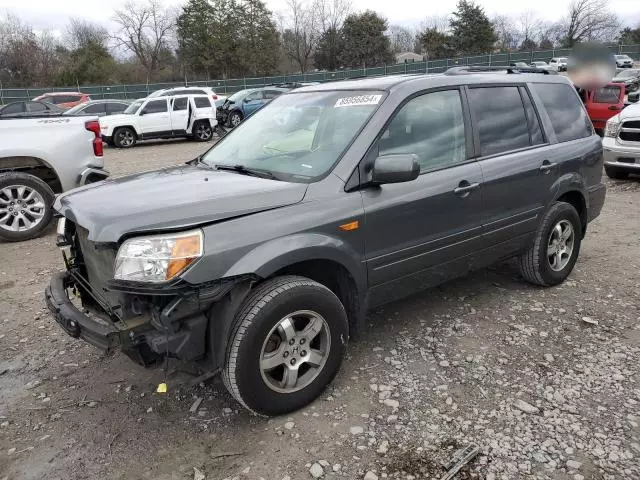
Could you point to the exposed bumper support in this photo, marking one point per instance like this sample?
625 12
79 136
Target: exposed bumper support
92 175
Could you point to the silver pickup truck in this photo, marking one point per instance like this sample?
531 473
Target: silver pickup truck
39 158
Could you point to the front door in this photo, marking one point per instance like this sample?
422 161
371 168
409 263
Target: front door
154 118
421 233
252 102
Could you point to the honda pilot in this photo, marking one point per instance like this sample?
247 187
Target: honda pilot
260 258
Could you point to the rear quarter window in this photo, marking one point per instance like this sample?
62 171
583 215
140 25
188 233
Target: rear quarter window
564 108
202 102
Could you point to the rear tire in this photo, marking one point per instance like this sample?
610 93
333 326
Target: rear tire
550 259
124 137
616 174
25 206
202 131
287 344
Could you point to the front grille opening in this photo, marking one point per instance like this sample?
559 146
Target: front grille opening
630 136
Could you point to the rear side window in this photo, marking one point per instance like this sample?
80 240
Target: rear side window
567 115
116 107
269 94
608 94
202 102
430 126
180 104
95 108
36 107
500 119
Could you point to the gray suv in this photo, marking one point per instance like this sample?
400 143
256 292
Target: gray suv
260 258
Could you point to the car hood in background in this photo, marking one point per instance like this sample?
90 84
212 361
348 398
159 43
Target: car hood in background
171 199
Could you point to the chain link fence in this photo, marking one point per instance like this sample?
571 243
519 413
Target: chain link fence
229 86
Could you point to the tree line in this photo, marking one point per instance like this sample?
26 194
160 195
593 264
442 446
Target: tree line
214 39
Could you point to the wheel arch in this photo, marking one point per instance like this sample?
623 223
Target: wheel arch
577 199
32 166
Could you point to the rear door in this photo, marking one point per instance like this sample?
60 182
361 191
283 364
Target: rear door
518 174
179 115
604 103
154 118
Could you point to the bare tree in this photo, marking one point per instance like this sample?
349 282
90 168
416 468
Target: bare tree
528 28
301 33
589 20
402 39
506 32
331 13
146 30
81 32
436 23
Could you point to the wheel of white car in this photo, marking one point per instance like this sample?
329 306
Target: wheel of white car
124 137
25 206
286 345
202 131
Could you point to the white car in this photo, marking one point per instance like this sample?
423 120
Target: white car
541 65
191 116
559 64
623 61
166 92
621 143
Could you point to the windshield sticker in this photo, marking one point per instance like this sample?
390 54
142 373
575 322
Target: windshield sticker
358 100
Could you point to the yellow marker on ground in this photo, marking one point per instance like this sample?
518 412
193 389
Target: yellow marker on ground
162 388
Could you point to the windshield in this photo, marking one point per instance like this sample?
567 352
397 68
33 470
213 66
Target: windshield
298 136
237 96
133 108
628 74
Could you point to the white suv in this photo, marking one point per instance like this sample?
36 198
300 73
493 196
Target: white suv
192 116
166 92
559 64
623 61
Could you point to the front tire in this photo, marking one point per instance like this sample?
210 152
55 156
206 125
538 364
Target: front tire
286 345
25 206
235 119
555 249
124 137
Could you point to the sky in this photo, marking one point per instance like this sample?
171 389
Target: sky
54 15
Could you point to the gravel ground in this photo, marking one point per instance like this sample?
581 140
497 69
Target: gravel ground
544 381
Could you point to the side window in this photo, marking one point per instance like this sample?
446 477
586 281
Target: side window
533 122
180 103
567 115
500 119
202 102
269 94
13 108
113 108
608 94
430 126
155 106
254 96
35 107
96 109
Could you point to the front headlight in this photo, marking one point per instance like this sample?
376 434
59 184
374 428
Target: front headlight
612 128
157 258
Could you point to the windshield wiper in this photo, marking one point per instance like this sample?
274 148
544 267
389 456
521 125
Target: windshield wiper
245 170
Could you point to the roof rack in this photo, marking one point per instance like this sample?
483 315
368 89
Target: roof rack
463 70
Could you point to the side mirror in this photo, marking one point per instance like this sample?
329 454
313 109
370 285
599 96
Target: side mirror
396 168
633 97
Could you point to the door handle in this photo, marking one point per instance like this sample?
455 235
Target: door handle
547 166
464 188
614 107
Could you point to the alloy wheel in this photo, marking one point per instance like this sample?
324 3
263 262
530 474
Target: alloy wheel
560 245
22 208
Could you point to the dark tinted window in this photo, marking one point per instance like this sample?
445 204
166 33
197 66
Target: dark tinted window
155 106
533 122
180 103
430 126
609 94
13 108
500 118
202 102
567 115
36 107
94 109
115 107
58 99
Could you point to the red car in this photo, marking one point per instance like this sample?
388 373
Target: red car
64 99
603 103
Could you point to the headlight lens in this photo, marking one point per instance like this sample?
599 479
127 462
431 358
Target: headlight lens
612 128
157 258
